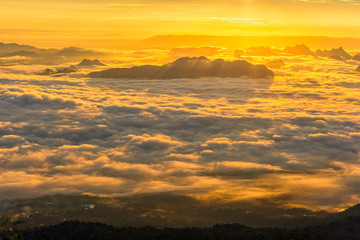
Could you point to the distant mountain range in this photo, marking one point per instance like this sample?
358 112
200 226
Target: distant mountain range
6 48
299 49
234 42
89 62
85 63
34 55
12 53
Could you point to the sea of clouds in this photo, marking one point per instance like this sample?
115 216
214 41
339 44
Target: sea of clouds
293 140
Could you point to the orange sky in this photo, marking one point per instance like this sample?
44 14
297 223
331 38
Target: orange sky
60 23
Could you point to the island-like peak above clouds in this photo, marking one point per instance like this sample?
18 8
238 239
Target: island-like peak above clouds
89 62
186 67
299 49
356 57
334 53
62 71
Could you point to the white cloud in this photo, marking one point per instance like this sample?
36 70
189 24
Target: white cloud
123 137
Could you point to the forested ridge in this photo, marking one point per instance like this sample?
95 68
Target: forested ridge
348 228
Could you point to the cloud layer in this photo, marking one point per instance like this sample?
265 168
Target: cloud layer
294 141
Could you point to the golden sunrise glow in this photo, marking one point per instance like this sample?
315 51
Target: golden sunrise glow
174 108
93 22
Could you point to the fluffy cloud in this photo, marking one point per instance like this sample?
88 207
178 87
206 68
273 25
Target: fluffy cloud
9 141
26 99
213 138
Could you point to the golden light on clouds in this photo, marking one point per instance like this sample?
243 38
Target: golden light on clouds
292 140
135 109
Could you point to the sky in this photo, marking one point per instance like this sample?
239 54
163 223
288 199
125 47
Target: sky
58 23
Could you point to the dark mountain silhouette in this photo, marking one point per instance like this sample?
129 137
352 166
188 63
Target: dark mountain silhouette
196 67
356 57
50 71
6 48
89 62
334 53
161 210
36 55
299 49
337 57
350 212
242 42
72 52
344 225
275 64
22 53
128 218
348 228
70 69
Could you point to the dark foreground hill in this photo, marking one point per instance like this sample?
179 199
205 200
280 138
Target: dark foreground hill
348 228
158 210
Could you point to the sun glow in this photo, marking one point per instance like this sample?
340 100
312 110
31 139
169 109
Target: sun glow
176 108
93 22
